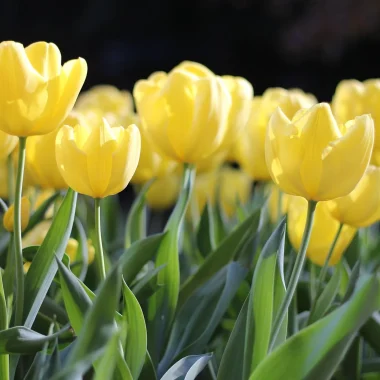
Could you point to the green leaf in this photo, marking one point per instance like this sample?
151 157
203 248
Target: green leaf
263 303
4 359
371 332
352 362
148 285
224 253
136 222
99 324
205 233
43 268
321 339
83 247
326 298
21 340
39 214
76 300
163 304
352 282
187 368
231 365
148 370
136 342
138 254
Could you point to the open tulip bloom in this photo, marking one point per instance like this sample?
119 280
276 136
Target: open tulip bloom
204 271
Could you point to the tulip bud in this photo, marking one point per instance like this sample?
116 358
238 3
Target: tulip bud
8 218
310 156
26 266
37 91
163 192
184 112
99 160
325 228
249 149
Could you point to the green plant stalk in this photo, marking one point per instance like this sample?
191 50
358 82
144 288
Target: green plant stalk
19 302
99 254
297 269
323 272
10 178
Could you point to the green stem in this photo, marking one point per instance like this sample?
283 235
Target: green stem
4 359
10 178
279 206
99 255
323 272
17 234
297 269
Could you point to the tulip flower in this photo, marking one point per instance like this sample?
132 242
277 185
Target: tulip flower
324 231
310 156
8 219
249 150
361 207
40 157
185 112
38 92
274 203
163 192
7 144
99 160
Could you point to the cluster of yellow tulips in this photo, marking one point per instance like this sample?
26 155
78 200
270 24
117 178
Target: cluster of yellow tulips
96 144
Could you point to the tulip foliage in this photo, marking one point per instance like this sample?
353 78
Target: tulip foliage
251 248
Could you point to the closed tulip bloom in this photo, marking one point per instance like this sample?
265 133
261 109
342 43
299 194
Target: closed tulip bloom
40 157
311 157
151 164
361 207
163 193
184 112
325 228
37 91
8 218
273 203
353 98
108 99
99 160
249 149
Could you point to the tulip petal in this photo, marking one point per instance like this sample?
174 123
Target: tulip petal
353 152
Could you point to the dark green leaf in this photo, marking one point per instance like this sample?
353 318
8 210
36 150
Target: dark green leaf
43 268
205 233
371 332
352 362
148 285
148 371
224 253
187 368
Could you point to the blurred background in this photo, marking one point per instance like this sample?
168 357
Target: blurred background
288 43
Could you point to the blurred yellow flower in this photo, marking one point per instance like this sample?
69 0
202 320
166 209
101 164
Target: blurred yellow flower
41 160
361 207
8 218
311 157
7 144
273 203
163 192
249 149
185 112
325 228
37 91
99 160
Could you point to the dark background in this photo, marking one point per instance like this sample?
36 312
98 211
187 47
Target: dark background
287 43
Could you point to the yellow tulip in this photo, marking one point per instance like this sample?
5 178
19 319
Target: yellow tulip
163 192
108 99
7 144
184 112
311 157
25 215
3 179
151 164
361 207
325 228
273 203
249 149
37 91
99 160
40 157
233 184
27 265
